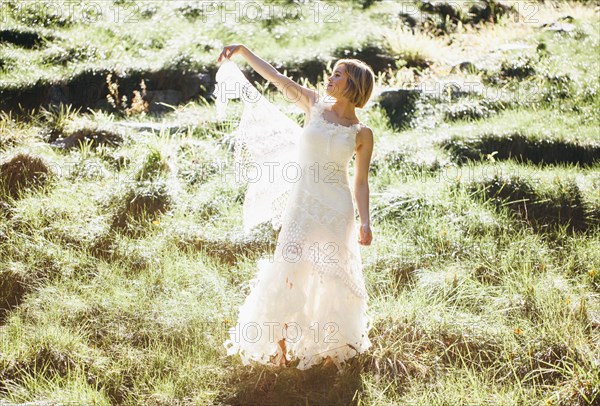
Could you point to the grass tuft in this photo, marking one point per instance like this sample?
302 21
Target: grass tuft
22 172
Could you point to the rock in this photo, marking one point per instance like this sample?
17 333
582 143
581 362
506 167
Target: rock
558 27
567 19
443 8
512 47
464 67
191 85
489 11
408 19
168 96
57 95
151 127
399 105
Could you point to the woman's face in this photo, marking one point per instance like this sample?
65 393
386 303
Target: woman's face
337 81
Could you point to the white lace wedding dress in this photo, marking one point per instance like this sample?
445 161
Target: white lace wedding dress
311 291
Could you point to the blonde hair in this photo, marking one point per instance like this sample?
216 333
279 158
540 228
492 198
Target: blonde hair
360 82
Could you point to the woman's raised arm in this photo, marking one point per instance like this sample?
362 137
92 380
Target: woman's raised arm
302 96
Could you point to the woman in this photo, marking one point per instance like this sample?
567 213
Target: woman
311 301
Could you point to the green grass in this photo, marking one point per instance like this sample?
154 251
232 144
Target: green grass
120 275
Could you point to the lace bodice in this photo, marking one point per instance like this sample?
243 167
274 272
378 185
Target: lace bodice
325 148
330 140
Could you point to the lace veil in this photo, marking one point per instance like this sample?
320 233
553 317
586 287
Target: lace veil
265 147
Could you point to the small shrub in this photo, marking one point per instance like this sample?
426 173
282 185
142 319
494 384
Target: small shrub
197 162
489 11
148 11
373 53
230 250
103 245
396 271
557 86
9 130
545 363
153 167
400 106
138 105
73 54
184 62
7 62
40 14
190 11
444 9
442 17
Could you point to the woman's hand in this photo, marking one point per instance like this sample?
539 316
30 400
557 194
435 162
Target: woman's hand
230 50
365 235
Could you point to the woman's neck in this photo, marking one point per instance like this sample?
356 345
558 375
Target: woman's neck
344 110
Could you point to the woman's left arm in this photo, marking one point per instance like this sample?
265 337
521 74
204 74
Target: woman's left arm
364 150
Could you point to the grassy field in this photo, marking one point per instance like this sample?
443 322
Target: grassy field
122 257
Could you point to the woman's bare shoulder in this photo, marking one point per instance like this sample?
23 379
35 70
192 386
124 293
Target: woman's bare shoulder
364 135
365 131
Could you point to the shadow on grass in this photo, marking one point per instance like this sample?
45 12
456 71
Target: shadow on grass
319 385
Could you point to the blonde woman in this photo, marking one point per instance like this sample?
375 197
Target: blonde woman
309 304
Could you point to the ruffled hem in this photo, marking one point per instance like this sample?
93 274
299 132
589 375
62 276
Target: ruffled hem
317 315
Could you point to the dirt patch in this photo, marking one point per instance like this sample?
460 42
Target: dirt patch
13 288
543 208
95 136
23 39
89 89
142 202
522 148
230 250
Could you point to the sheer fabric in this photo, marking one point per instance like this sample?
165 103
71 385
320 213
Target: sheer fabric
264 147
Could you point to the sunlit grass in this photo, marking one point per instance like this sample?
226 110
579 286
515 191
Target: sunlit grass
472 304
